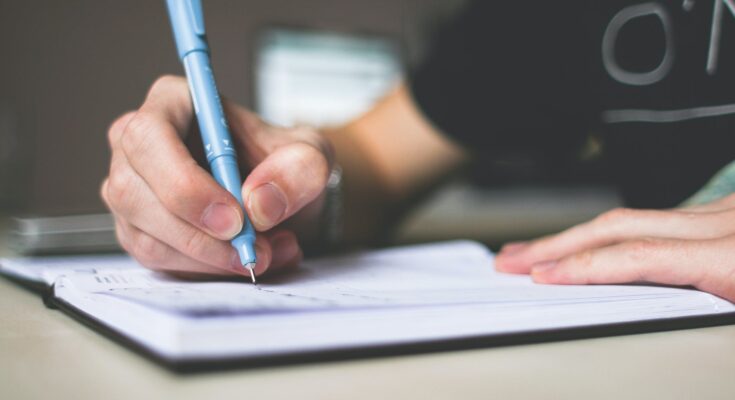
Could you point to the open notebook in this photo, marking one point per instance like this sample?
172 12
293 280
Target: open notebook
415 298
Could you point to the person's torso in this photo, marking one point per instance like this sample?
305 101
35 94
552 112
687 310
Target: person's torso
523 85
664 72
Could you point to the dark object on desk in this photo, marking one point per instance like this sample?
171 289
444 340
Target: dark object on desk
87 233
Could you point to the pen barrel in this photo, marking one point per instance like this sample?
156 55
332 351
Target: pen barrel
226 172
187 21
208 106
218 145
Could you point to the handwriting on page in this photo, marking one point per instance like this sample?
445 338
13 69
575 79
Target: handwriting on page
365 281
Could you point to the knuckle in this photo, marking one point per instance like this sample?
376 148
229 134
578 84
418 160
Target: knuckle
117 128
582 259
148 250
317 140
119 187
137 131
615 215
577 268
166 83
183 187
114 132
311 161
195 245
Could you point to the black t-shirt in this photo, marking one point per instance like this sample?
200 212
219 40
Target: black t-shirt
524 85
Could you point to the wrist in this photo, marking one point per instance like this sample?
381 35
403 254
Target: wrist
331 218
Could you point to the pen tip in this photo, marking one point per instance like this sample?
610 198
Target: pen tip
251 267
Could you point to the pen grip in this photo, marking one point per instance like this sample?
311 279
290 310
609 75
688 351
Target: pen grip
226 172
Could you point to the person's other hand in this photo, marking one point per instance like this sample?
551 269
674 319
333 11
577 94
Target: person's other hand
692 246
170 213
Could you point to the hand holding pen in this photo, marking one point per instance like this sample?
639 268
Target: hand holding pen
172 215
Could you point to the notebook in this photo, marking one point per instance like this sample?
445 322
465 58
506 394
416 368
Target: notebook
409 299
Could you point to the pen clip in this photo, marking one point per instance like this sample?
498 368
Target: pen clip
187 21
196 16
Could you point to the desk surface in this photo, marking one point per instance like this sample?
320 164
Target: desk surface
43 353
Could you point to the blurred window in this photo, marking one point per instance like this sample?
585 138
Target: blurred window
321 79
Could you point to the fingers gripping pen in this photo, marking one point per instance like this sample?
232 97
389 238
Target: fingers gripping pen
187 20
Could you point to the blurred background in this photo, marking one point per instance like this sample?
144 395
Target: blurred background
69 68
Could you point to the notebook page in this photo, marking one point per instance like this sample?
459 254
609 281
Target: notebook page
446 274
409 294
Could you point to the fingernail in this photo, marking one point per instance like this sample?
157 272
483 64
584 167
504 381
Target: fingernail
543 266
267 204
223 220
512 248
284 249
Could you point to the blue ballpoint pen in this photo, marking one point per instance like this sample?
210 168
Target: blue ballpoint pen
187 20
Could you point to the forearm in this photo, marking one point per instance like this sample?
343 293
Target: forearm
389 157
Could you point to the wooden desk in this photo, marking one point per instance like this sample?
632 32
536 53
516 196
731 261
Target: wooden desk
45 354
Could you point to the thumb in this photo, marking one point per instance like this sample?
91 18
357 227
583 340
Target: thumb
284 183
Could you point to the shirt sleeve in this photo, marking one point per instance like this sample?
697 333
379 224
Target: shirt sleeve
510 77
